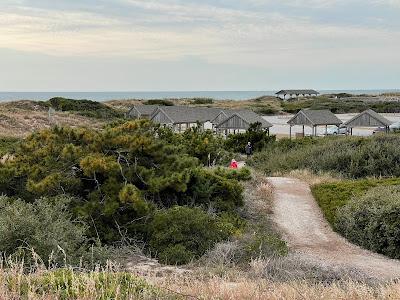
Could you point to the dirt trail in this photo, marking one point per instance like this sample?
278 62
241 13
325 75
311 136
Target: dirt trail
303 226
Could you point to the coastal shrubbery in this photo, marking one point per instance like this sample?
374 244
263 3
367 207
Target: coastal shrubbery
372 220
120 181
351 157
86 108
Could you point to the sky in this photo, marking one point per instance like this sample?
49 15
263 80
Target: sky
188 45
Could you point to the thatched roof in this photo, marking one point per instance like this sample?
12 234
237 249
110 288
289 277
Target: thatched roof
314 118
368 118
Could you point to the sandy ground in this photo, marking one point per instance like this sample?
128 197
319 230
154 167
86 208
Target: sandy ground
299 218
282 128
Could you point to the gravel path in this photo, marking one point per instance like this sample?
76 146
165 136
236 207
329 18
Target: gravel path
299 218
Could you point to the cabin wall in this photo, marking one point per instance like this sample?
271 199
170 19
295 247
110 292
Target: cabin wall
234 123
161 118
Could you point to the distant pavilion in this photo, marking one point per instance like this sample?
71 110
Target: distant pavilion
296 94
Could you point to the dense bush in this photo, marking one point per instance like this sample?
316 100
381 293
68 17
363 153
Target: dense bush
85 108
8 145
160 102
122 176
46 226
255 135
349 156
373 220
332 196
202 144
199 101
180 234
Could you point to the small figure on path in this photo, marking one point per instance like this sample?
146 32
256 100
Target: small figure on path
249 149
234 164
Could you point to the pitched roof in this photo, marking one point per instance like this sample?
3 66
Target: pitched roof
297 92
248 116
142 110
364 119
314 117
186 114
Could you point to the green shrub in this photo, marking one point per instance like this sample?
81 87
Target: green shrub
46 226
200 101
160 102
255 135
332 196
373 220
180 234
87 108
8 145
352 157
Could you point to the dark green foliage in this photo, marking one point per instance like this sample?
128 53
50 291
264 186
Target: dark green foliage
46 226
255 135
8 145
160 102
373 220
332 196
351 157
200 101
180 234
86 108
121 176
202 144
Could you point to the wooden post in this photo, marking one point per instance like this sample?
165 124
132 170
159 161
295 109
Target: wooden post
326 130
304 131
290 131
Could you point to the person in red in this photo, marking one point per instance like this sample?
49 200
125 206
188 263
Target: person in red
234 164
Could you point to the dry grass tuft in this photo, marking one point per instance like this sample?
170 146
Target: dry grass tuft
309 177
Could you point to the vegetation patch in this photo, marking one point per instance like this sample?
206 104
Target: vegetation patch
372 220
351 157
160 102
86 108
332 196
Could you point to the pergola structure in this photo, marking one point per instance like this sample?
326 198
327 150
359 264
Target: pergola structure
295 93
313 119
368 118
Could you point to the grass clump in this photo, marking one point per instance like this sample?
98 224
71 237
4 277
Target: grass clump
8 145
202 101
160 102
69 284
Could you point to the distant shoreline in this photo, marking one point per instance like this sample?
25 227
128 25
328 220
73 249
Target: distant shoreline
216 95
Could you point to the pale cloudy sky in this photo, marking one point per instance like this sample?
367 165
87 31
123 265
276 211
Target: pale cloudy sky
159 45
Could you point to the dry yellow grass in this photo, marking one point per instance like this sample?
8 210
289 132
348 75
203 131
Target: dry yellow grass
253 288
20 118
308 176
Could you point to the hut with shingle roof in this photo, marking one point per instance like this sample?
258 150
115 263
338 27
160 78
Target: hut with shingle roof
313 119
368 118
240 120
295 93
141 111
181 118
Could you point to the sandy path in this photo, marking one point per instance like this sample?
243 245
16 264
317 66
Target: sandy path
303 226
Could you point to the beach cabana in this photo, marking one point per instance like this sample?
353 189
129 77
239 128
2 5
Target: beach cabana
295 94
368 118
240 121
181 118
313 119
141 111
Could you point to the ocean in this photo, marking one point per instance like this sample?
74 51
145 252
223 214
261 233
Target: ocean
218 95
